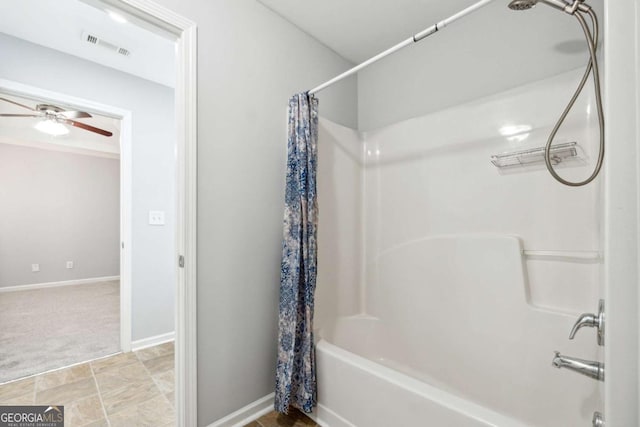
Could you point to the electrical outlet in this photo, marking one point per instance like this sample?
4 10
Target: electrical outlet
35 267
69 264
156 217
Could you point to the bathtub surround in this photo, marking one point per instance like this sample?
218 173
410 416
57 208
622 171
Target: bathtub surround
341 202
295 369
447 239
450 187
394 361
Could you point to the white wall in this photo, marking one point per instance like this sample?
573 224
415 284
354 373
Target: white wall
250 61
57 207
152 107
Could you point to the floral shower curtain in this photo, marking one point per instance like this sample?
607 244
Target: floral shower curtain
295 371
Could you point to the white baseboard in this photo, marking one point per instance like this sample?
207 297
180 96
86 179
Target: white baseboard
327 418
322 415
151 341
56 284
249 413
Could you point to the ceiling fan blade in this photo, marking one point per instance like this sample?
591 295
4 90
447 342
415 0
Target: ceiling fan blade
75 115
17 103
87 127
20 115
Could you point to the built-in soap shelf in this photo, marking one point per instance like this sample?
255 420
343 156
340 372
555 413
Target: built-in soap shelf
560 154
593 256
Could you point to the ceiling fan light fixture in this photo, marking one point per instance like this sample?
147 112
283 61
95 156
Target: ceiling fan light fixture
51 127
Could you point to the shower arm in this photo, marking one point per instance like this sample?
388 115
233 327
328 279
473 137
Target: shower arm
411 40
578 5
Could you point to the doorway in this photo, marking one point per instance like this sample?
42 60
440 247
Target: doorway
60 280
184 185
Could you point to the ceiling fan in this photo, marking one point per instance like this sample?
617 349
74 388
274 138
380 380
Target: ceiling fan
56 115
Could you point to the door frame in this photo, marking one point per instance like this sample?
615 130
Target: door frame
185 32
125 117
622 223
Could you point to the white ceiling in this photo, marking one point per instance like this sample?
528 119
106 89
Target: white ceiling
21 131
60 25
359 29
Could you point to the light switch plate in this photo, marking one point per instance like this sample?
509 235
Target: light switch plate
156 217
35 267
69 264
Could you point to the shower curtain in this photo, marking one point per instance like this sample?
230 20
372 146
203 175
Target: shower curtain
295 370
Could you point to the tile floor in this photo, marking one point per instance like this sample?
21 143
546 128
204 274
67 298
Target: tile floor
295 418
128 389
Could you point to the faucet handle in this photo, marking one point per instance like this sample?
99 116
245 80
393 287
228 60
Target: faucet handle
592 321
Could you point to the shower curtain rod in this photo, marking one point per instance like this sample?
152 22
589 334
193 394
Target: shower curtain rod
413 39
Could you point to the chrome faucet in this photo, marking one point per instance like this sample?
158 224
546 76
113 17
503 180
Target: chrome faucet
589 368
592 321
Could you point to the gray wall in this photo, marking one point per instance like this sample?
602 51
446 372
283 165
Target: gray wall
57 207
152 106
487 52
249 62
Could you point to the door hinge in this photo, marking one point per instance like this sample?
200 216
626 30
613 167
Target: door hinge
181 261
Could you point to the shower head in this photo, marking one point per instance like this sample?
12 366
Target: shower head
558 4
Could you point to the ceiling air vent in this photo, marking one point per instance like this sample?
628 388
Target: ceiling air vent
99 41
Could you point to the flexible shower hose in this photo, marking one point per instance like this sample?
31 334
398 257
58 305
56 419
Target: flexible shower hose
592 42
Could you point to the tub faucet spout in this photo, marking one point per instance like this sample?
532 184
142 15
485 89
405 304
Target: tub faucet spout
589 368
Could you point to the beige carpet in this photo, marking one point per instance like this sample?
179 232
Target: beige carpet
50 328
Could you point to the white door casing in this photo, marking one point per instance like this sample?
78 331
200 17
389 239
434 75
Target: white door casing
622 110
185 32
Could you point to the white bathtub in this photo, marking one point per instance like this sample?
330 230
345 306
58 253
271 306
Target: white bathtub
453 343
356 391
